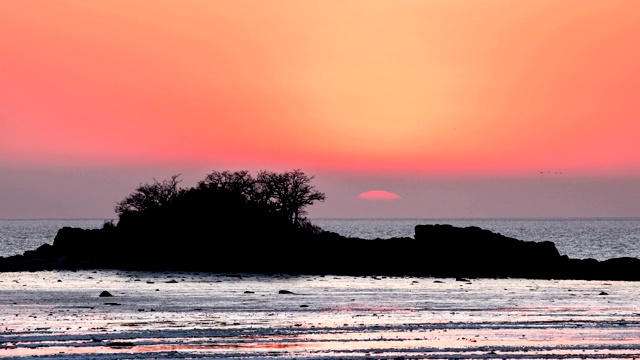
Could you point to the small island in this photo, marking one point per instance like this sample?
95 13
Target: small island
233 222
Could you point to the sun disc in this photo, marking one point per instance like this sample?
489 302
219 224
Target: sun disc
378 195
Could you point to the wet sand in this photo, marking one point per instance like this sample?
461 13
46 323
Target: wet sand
190 315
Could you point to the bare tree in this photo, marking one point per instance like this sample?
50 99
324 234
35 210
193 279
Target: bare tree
238 181
150 196
288 193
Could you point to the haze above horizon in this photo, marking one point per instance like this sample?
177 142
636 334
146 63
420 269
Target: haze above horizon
462 108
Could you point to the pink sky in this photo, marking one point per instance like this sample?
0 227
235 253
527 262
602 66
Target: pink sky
492 108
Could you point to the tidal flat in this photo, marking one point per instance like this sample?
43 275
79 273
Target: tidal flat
179 315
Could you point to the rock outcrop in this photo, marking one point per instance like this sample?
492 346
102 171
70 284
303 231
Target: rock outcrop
436 250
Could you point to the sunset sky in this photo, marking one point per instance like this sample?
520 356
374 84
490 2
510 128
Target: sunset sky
474 108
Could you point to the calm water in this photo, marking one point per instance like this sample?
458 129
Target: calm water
578 238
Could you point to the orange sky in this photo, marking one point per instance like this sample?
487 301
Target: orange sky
407 86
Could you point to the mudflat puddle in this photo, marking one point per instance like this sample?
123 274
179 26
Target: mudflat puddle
189 315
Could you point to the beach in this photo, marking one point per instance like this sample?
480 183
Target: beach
59 314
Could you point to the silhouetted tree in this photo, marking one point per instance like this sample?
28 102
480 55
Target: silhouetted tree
288 193
150 196
240 182
285 195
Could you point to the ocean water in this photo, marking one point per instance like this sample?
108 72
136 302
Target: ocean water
599 239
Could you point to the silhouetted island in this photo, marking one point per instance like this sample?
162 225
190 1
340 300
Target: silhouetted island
232 222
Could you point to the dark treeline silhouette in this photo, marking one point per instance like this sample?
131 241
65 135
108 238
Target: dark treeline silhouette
285 195
235 222
218 223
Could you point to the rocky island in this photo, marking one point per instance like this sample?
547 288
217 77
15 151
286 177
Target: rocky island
232 222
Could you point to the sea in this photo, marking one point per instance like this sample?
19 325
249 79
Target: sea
190 315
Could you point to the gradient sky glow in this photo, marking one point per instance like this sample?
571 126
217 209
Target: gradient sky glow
483 99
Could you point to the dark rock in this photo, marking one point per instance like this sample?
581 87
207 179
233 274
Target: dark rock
304 306
249 292
121 344
603 293
474 252
112 303
105 294
441 251
285 292
45 251
624 268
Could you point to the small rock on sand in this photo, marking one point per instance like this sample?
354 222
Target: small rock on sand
105 294
120 344
285 292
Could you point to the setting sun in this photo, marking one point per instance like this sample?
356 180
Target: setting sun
378 195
